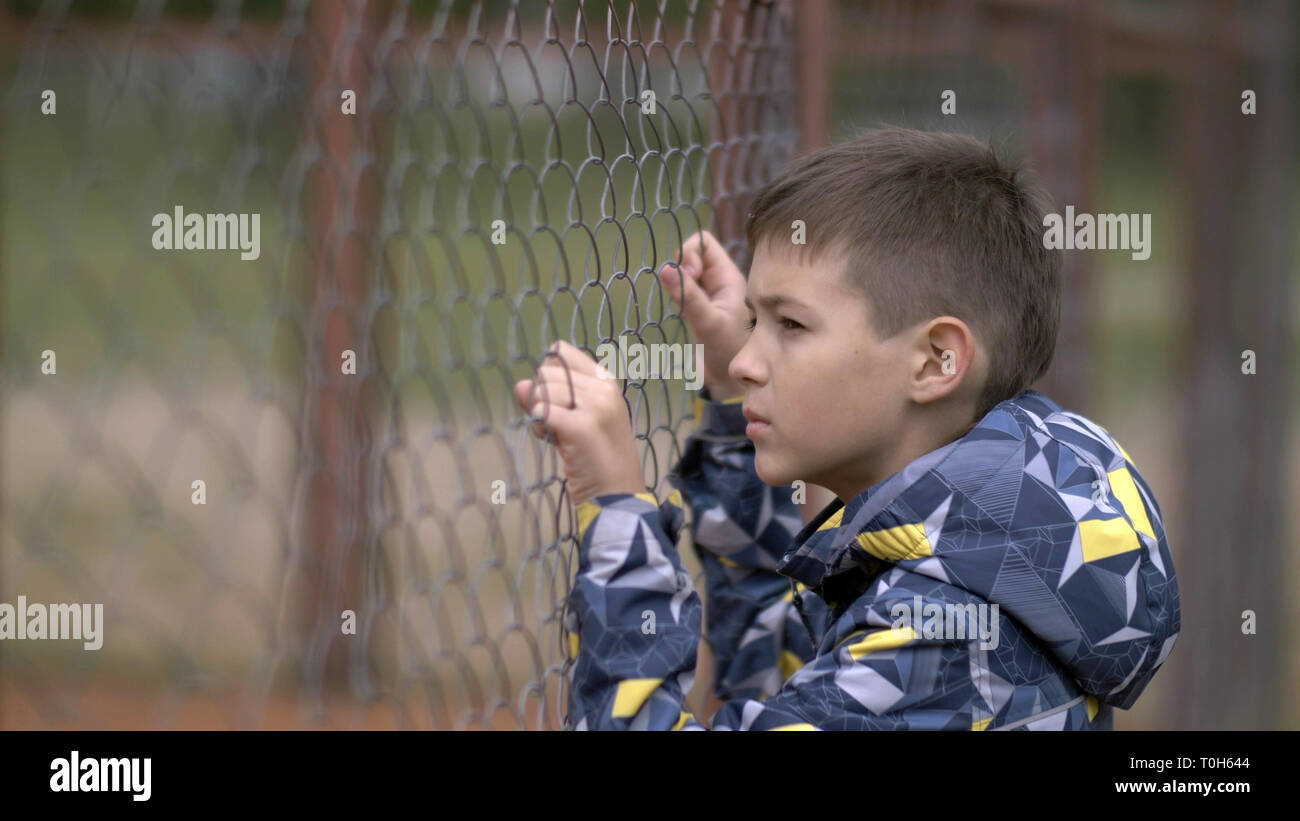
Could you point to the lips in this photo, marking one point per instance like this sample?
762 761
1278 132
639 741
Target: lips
757 423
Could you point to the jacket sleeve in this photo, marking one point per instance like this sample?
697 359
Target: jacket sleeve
741 527
634 622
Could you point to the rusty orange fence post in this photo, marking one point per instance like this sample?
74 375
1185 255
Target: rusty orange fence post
342 220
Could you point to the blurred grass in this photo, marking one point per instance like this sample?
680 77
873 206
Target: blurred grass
174 365
79 197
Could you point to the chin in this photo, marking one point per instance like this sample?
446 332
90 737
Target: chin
774 475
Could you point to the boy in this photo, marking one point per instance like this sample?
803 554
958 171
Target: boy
991 561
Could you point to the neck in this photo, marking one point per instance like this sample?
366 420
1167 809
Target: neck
926 433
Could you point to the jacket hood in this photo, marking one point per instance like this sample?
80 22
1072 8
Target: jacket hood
1037 510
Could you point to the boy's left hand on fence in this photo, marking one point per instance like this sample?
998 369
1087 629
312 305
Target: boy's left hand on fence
588 416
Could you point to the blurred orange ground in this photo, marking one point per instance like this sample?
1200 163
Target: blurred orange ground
126 708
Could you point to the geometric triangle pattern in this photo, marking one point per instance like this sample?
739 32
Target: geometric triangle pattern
1016 578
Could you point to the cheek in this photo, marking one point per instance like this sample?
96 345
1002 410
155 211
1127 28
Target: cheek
805 399
826 381
849 401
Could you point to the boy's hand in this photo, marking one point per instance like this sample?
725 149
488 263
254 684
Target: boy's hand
713 305
589 418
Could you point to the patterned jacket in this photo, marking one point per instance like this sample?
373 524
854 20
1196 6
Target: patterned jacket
1035 522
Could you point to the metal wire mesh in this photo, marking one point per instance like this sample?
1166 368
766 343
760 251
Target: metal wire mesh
500 183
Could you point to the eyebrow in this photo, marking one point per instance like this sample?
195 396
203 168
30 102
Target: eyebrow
773 301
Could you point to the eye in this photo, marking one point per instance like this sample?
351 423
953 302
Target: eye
789 324
750 323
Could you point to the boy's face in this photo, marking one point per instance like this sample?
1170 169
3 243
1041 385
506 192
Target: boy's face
833 395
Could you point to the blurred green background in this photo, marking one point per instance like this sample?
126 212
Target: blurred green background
181 365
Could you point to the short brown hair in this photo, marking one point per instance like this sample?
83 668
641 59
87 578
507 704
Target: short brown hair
930 224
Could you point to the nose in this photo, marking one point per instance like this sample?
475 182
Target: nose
746 366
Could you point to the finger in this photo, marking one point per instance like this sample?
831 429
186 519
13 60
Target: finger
573 390
693 253
692 262
581 391
558 419
546 388
717 269
688 267
713 267
569 357
541 413
552 389
523 392
558 381
684 290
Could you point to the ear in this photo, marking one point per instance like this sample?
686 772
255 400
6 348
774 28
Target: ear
946 353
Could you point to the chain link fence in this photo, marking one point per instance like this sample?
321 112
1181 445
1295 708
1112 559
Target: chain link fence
294 474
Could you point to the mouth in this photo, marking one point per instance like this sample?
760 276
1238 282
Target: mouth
757 423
